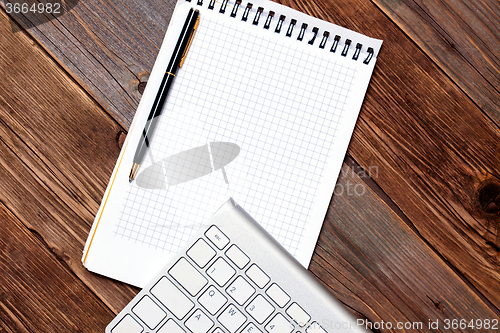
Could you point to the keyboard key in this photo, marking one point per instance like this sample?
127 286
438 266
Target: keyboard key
149 312
260 309
201 253
171 327
279 324
315 328
187 276
212 300
221 271
237 256
278 295
199 322
232 319
298 314
257 276
251 328
240 290
127 325
217 237
172 298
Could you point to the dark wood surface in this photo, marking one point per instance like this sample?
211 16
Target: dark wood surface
412 232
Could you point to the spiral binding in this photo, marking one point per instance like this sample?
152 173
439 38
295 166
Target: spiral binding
291 26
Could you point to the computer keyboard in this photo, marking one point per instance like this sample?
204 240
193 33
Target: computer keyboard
233 277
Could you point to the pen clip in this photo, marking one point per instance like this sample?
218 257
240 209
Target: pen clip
190 41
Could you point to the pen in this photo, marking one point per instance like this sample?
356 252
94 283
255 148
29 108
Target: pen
178 56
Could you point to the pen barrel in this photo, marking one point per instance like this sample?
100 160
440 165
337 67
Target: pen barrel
145 140
153 118
183 41
156 110
160 98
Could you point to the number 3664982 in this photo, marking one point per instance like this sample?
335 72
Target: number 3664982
38 8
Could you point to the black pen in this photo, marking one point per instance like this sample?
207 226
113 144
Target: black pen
180 52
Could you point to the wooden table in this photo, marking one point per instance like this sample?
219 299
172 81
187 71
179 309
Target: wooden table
412 234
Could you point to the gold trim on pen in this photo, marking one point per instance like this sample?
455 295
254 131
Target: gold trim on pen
170 73
133 171
190 41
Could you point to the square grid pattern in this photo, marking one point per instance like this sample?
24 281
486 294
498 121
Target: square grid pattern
280 103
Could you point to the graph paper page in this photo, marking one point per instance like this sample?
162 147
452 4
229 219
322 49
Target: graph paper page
251 115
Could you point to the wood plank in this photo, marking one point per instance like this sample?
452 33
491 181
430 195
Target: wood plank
433 147
356 294
107 46
57 151
40 177
434 177
374 263
462 37
37 292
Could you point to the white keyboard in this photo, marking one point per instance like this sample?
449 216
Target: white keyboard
233 277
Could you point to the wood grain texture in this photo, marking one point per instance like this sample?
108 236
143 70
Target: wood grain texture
37 292
57 151
434 148
432 145
107 46
375 264
462 37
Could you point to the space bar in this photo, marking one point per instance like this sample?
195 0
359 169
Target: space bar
172 298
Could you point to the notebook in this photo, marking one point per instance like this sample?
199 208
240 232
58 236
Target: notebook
262 110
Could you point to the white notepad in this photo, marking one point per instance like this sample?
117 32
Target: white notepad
253 114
